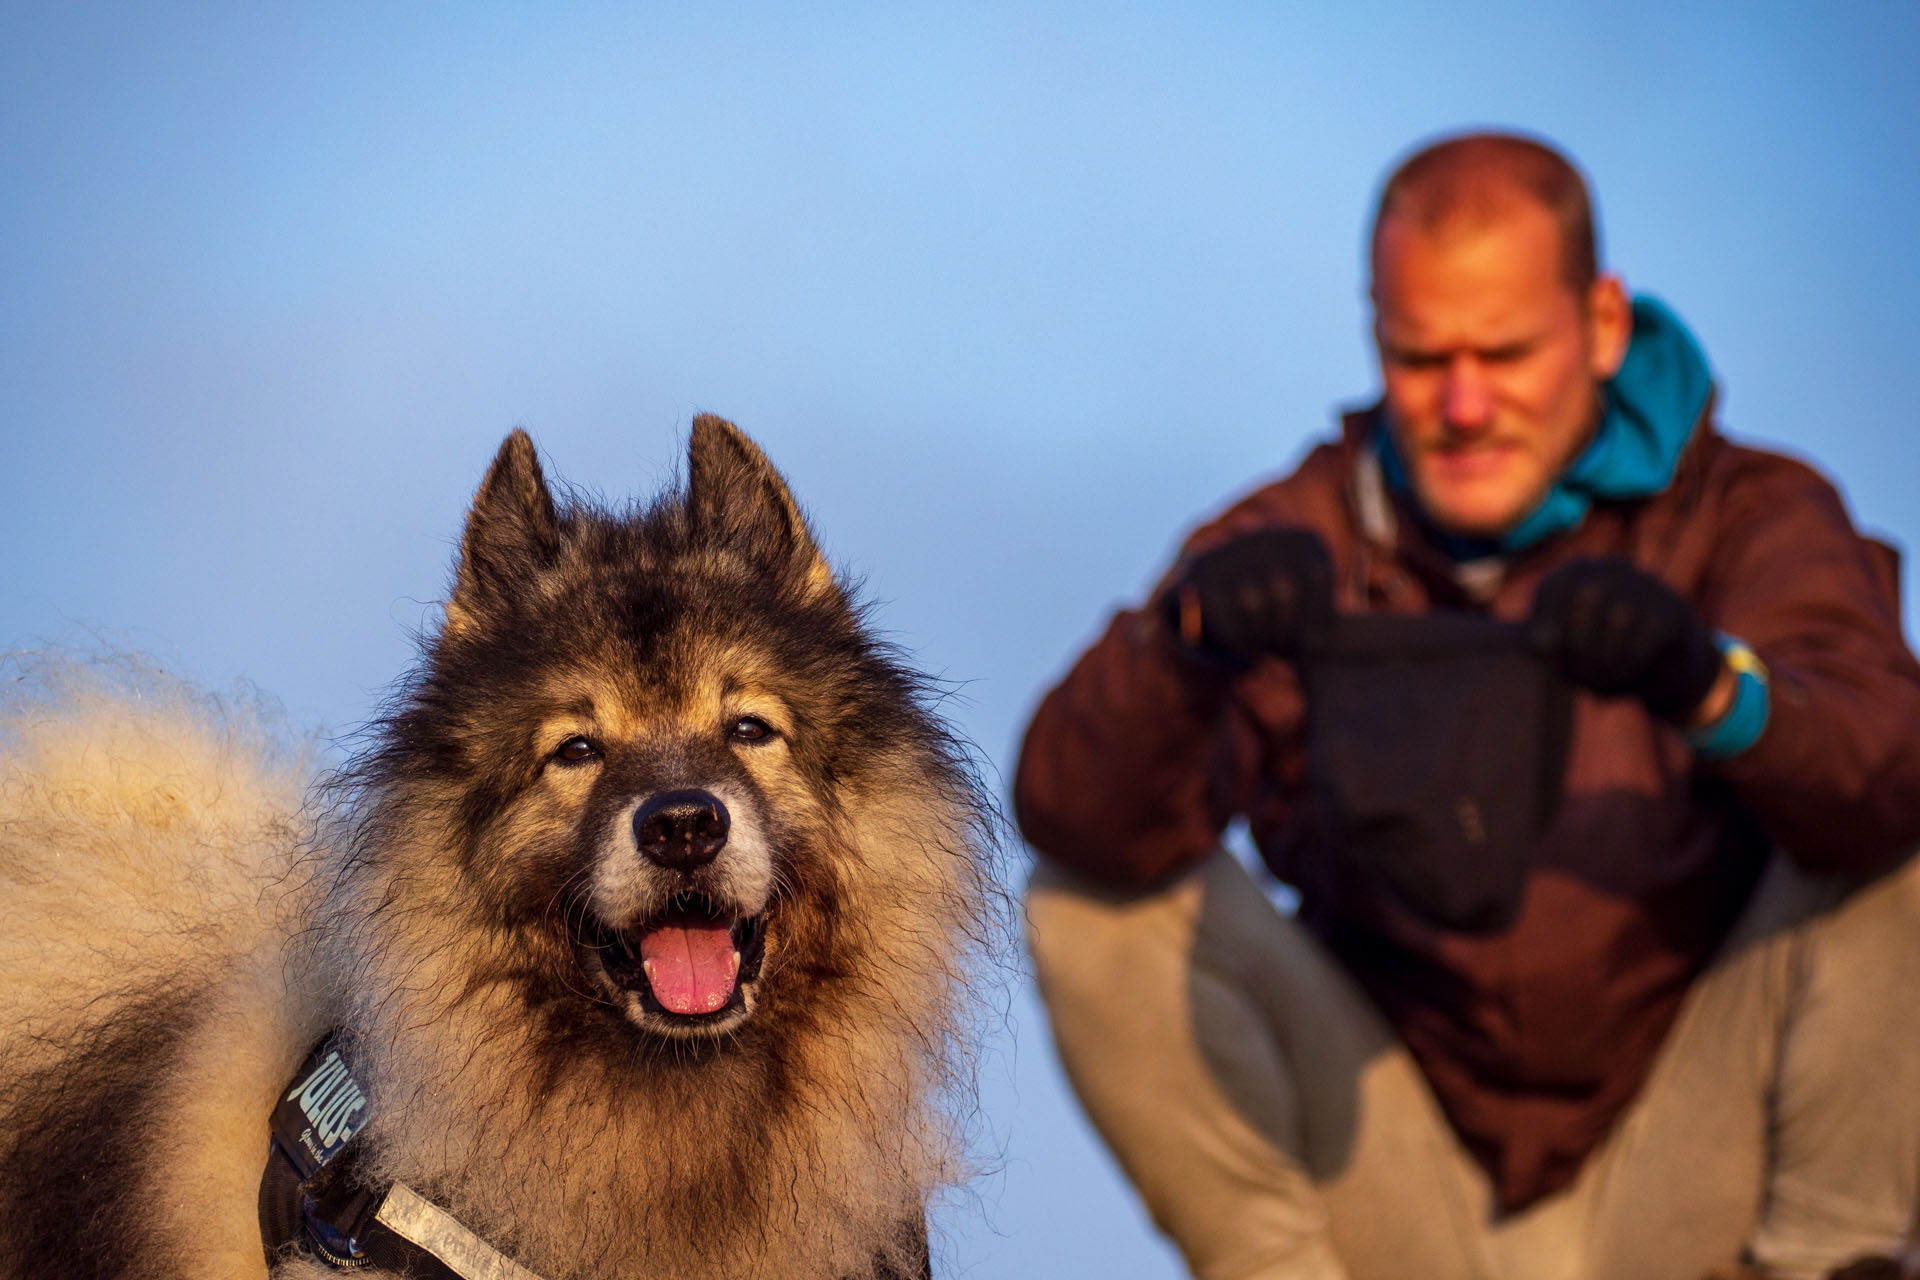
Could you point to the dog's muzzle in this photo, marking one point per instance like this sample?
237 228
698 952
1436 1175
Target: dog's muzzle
687 949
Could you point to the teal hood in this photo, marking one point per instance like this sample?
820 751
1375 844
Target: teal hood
1652 406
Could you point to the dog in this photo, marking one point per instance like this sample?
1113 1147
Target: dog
643 936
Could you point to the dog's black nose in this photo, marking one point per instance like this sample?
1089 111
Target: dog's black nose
681 830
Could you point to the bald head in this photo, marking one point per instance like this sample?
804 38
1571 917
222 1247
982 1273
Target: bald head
1463 185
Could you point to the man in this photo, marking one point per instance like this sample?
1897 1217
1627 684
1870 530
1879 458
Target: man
1686 1045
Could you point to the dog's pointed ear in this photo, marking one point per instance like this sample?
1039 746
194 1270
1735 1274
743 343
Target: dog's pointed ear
512 534
736 497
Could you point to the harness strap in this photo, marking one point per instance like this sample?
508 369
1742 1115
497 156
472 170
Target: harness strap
429 1228
312 1198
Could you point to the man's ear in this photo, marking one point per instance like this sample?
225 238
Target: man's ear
1609 326
512 534
735 497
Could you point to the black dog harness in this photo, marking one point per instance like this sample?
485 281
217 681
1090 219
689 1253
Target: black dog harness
312 1197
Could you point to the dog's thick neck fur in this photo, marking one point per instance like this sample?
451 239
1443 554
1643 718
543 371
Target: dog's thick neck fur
806 1150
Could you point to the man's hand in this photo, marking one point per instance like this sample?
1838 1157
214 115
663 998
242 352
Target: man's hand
1264 593
1616 630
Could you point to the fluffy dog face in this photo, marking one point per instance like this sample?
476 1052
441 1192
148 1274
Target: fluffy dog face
649 726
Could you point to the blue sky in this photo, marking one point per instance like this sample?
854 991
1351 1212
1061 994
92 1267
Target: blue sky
1013 293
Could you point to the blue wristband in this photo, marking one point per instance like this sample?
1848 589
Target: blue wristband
1741 725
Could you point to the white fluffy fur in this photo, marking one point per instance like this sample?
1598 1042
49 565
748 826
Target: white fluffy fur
147 835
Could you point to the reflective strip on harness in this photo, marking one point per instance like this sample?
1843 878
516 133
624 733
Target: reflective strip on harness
432 1228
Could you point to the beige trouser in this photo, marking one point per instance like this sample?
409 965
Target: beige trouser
1276 1128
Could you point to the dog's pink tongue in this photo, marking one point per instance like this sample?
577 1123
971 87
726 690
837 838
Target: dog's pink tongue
691 967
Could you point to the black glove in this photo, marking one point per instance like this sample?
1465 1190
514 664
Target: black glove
1267 592
1616 630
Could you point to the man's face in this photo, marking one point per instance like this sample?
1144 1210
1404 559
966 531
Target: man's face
1491 363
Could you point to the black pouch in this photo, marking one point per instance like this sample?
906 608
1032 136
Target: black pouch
1436 748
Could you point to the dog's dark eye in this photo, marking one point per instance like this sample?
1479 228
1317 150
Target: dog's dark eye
575 750
750 729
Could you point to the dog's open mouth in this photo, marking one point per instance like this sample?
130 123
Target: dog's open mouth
691 961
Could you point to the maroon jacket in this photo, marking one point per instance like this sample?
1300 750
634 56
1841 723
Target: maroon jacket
1536 1037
